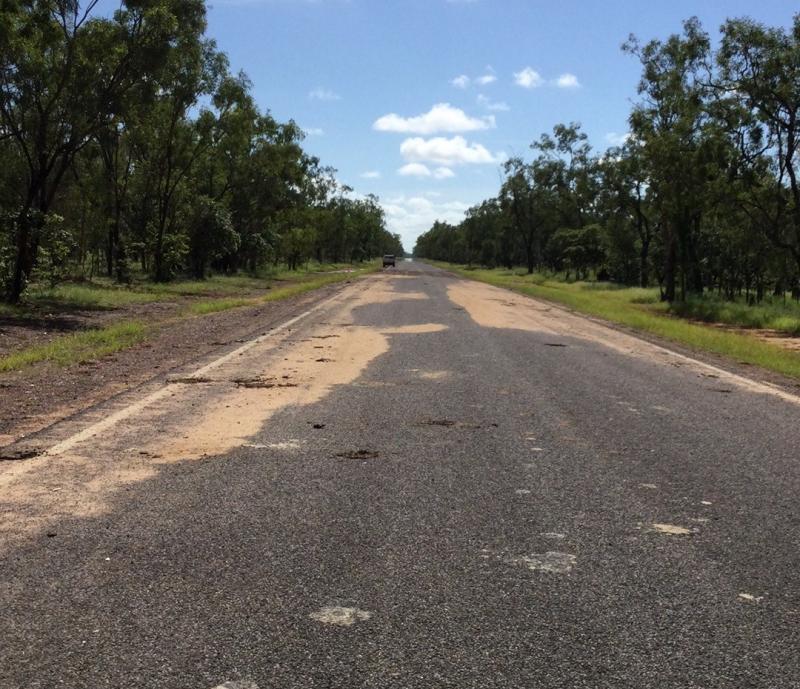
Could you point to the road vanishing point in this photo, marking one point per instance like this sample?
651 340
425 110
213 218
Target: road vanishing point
417 482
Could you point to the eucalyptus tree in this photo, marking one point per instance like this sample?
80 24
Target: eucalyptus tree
625 197
63 74
524 202
669 121
760 77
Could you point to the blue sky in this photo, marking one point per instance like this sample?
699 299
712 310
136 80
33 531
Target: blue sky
364 77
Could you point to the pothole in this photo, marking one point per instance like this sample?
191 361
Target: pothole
261 383
190 380
358 454
15 455
449 423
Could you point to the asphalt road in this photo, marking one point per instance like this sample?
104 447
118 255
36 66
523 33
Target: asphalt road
435 500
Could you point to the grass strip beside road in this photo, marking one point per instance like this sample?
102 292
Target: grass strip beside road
293 288
65 350
640 310
78 347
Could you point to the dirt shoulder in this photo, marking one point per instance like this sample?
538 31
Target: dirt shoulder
34 398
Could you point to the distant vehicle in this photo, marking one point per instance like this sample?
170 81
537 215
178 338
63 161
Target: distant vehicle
388 260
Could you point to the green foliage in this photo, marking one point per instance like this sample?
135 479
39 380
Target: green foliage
702 196
56 247
132 129
77 347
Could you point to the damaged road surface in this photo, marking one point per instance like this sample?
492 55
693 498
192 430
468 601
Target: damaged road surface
417 482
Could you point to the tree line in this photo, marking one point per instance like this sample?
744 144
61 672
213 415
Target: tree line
127 145
702 195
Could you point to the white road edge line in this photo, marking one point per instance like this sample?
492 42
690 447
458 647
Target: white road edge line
90 431
749 384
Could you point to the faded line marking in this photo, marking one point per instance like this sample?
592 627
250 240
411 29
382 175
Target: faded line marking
434 375
554 535
551 561
672 529
750 598
243 684
339 616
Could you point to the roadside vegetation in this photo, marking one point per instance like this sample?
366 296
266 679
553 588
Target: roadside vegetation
642 309
131 154
692 217
64 350
698 201
190 299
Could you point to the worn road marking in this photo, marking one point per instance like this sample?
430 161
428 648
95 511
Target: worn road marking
750 598
551 561
243 684
672 529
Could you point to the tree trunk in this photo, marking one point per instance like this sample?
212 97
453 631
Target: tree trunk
670 256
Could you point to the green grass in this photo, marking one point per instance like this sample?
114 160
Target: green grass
292 286
205 307
216 294
641 310
771 314
78 347
104 294
286 291
88 296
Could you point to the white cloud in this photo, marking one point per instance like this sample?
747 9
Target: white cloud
486 79
447 152
494 106
617 139
568 81
414 170
443 173
528 78
421 170
371 174
440 118
411 216
313 131
461 81
323 94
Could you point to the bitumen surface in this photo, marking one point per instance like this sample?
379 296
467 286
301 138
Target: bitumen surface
479 507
